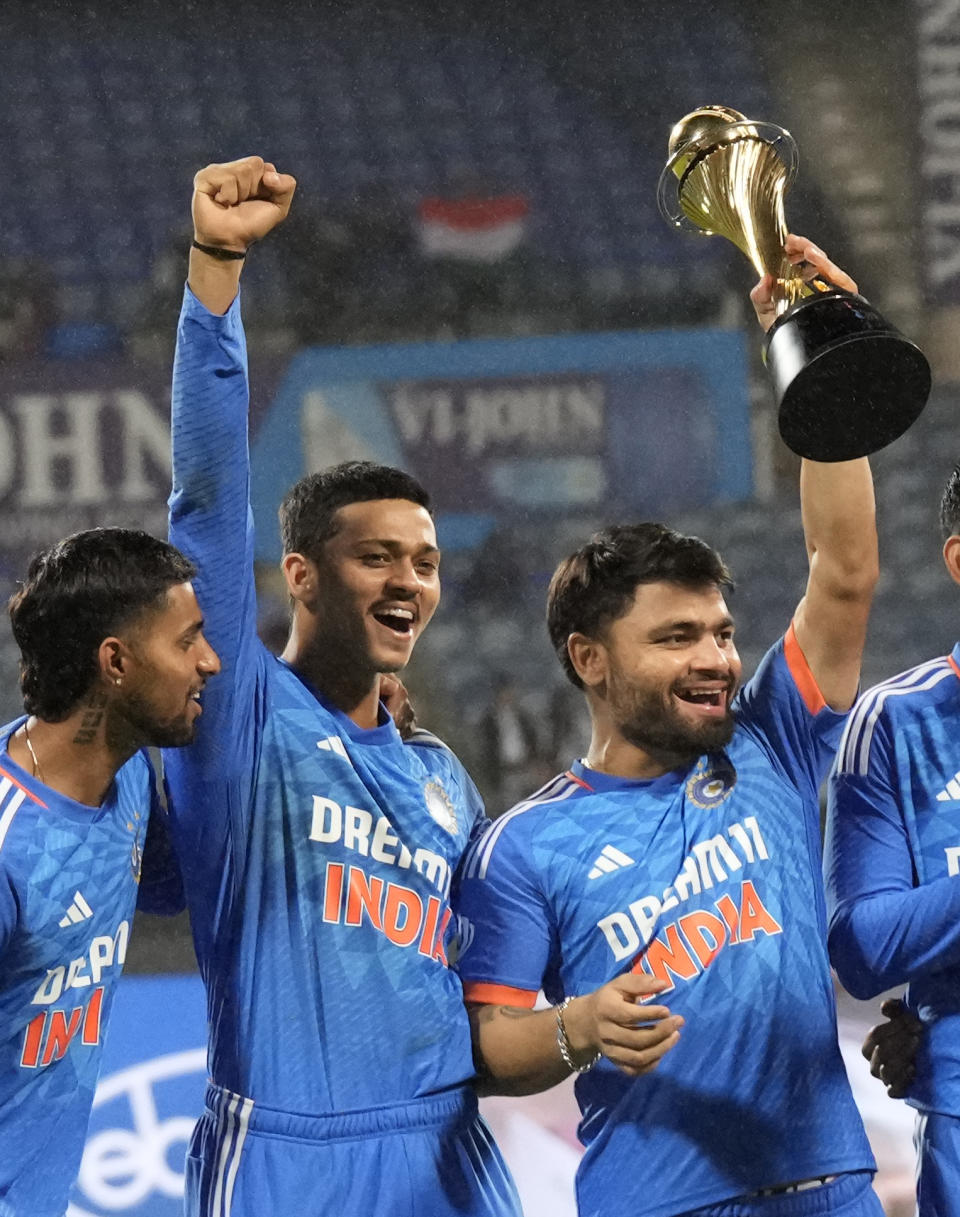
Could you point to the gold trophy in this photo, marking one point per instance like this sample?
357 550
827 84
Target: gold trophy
847 382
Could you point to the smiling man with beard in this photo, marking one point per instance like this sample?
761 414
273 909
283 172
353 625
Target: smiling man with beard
679 862
113 660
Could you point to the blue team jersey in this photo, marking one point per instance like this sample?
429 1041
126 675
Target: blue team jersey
68 889
317 855
892 861
710 880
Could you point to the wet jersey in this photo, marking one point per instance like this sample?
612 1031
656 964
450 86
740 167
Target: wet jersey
710 880
68 888
317 855
892 861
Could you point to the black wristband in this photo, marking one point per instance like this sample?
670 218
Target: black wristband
222 255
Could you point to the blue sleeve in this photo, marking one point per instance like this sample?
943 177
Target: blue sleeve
883 930
783 707
506 927
210 521
161 883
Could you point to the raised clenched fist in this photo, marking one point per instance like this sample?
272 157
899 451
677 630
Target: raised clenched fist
239 202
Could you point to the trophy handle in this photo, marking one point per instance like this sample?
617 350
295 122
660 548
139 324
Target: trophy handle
682 160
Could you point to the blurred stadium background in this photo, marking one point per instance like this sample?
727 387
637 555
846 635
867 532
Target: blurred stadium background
475 283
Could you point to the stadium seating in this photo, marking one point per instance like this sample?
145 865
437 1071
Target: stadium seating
112 127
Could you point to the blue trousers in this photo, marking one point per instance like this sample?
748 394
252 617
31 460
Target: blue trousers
432 1157
848 1196
937 1139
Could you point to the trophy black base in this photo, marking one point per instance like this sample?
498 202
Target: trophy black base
847 382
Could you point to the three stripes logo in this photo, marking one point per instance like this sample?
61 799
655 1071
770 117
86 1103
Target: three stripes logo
610 859
79 910
952 790
334 743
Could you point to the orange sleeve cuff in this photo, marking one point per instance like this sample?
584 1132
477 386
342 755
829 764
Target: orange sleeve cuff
498 995
800 671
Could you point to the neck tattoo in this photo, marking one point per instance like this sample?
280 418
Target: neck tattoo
37 771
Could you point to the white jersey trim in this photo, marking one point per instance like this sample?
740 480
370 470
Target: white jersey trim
478 861
10 805
853 755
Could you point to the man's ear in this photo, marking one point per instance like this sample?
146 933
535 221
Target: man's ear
951 557
114 658
300 573
589 658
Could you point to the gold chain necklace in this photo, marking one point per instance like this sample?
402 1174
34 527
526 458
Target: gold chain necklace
37 771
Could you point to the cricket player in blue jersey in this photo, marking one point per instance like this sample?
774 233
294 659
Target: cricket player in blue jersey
678 865
892 861
317 846
113 659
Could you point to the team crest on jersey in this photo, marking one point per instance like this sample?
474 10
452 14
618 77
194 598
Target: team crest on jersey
440 805
711 782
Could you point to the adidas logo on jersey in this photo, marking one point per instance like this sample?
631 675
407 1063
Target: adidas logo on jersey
79 910
333 743
952 790
610 859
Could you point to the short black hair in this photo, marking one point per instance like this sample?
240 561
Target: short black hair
950 505
597 584
309 508
83 589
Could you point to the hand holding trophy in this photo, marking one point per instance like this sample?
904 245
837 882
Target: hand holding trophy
847 382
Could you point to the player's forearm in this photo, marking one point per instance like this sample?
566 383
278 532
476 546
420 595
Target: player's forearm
210 391
210 499
830 622
209 419
516 1049
214 282
893 938
839 525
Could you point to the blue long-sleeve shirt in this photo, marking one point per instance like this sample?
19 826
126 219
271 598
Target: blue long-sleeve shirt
317 856
892 861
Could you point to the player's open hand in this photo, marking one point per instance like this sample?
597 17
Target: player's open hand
239 202
812 261
634 1037
891 1047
